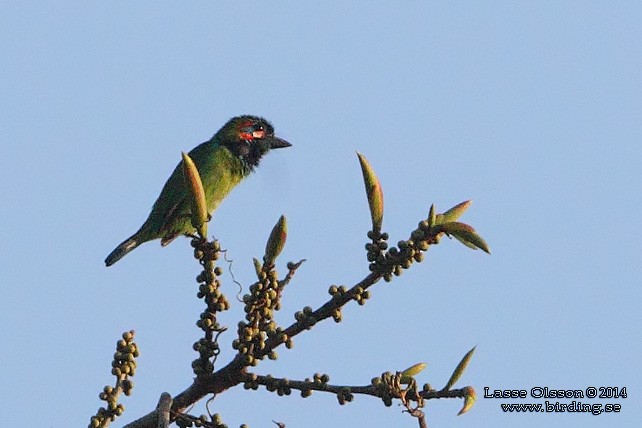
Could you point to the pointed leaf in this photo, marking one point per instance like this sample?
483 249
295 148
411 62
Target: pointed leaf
410 372
197 195
257 267
466 243
459 370
466 235
276 241
455 212
374 193
432 218
469 399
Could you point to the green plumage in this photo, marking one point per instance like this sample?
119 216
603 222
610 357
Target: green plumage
222 162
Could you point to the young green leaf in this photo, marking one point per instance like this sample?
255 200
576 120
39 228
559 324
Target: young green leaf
469 399
466 235
257 267
410 372
455 212
459 370
432 217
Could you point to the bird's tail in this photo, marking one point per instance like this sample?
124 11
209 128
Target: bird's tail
121 250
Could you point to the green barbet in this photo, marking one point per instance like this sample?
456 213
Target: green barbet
222 162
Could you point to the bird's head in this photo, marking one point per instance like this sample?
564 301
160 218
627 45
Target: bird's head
249 138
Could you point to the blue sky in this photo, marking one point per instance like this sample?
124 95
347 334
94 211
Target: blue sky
531 109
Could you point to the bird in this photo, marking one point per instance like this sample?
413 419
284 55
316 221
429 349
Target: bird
223 161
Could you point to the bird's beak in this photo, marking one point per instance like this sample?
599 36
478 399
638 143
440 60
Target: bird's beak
278 143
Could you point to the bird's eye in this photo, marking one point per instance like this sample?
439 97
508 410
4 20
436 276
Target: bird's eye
259 132
252 132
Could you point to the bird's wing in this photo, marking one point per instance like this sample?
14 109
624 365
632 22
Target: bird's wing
169 204
170 213
175 212
173 204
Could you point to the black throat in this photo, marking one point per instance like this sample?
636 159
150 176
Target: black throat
248 152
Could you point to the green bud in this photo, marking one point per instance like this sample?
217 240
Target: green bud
196 195
276 241
373 192
417 235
